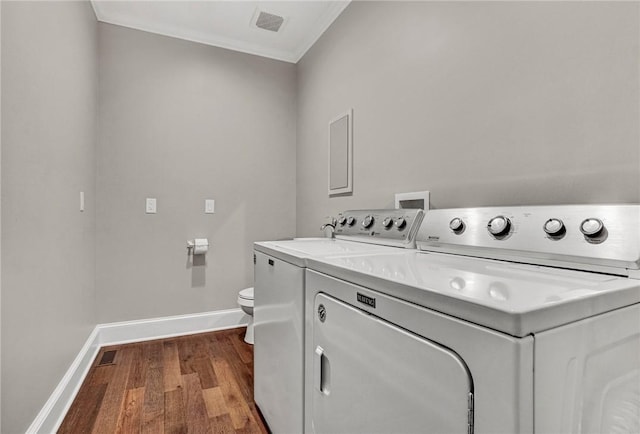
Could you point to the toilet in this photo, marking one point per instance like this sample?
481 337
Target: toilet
245 300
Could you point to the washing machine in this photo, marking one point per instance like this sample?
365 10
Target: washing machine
506 320
279 302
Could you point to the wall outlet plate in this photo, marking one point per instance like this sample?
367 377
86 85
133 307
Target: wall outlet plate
209 206
150 207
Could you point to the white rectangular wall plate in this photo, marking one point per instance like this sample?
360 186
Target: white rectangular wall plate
341 154
415 199
150 207
82 201
209 206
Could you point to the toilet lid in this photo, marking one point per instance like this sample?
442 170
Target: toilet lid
247 294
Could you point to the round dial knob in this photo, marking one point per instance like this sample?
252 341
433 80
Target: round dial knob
387 222
499 225
400 222
367 222
351 221
591 227
553 227
456 224
342 221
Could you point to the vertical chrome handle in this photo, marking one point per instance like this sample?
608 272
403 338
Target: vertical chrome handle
317 368
321 371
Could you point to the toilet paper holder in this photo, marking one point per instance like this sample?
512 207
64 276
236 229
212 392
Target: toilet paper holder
197 246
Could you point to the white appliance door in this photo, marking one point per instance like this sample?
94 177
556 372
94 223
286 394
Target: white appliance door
278 348
373 377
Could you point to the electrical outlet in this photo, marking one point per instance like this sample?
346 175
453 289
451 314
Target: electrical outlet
151 205
209 206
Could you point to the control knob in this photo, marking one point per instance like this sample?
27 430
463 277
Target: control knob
400 222
591 227
554 227
499 225
342 221
387 222
367 222
351 221
456 225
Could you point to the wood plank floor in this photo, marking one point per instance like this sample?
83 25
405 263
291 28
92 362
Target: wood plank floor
191 384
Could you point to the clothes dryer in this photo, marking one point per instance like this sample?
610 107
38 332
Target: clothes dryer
507 320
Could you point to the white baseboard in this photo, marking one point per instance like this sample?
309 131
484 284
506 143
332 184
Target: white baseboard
52 414
166 327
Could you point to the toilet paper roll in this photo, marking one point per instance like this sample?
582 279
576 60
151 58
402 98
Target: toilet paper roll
200 246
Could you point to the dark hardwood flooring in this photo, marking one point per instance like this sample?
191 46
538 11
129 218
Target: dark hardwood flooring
199 383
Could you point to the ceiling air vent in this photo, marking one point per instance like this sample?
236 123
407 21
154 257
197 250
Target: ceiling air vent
269 21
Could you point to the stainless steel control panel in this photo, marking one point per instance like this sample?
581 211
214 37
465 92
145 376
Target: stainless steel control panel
393 227
602 238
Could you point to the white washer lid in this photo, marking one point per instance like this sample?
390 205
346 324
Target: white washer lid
246 293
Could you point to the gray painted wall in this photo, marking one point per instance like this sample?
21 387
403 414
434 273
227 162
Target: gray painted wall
480 103
49 91
183 122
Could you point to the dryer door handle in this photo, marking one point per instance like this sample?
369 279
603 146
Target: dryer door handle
321 371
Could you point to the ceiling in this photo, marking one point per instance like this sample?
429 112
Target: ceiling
228 24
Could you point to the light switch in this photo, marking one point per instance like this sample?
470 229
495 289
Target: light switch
151 205
209 206
82 201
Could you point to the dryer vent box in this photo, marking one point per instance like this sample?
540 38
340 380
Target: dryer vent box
413 200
